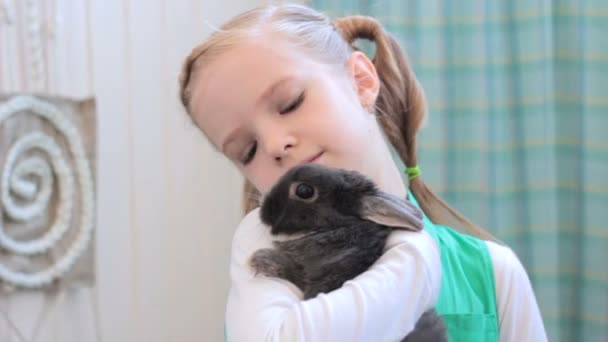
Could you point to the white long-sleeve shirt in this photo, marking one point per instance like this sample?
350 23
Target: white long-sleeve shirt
381 304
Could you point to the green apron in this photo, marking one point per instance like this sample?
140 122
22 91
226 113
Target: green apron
467 300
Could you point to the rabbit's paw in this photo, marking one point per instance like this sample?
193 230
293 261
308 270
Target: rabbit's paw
267 262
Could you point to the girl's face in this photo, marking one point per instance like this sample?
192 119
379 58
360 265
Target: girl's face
269 107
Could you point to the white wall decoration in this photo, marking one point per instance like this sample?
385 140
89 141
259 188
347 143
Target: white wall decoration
46 177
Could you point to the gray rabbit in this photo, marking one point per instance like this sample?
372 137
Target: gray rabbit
335 224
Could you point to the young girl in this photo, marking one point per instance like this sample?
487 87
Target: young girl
278 86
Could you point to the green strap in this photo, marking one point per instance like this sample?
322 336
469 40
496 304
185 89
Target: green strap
467 298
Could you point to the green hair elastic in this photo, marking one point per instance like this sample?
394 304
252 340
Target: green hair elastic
413 172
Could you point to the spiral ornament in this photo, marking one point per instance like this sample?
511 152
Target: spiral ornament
26 186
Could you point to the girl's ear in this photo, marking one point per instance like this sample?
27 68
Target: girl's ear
365 78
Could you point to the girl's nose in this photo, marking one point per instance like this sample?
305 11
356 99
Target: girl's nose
279 157
279 146
277 139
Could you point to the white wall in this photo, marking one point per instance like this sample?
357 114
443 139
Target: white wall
45 47
176 200
167 205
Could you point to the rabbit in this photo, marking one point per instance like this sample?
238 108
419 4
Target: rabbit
334 225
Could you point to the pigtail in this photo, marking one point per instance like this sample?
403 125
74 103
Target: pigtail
250 197
401 110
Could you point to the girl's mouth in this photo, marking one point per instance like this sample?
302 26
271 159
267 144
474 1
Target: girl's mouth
313 158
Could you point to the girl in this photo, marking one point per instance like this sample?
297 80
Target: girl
282 85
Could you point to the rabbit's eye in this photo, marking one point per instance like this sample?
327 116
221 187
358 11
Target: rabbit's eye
305 191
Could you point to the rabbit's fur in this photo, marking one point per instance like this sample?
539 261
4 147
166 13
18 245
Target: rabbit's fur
335 224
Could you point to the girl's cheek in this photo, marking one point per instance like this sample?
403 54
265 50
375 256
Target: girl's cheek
258 178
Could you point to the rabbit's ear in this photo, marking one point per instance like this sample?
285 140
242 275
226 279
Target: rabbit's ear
391 211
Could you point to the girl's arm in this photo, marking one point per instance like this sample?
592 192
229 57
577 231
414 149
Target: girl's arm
518 313
382 303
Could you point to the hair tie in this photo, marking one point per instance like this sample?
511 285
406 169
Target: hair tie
413 172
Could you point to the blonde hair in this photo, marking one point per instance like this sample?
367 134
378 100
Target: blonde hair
400 107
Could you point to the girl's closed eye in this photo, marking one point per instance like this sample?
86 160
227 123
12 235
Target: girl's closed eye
249 153
293 105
